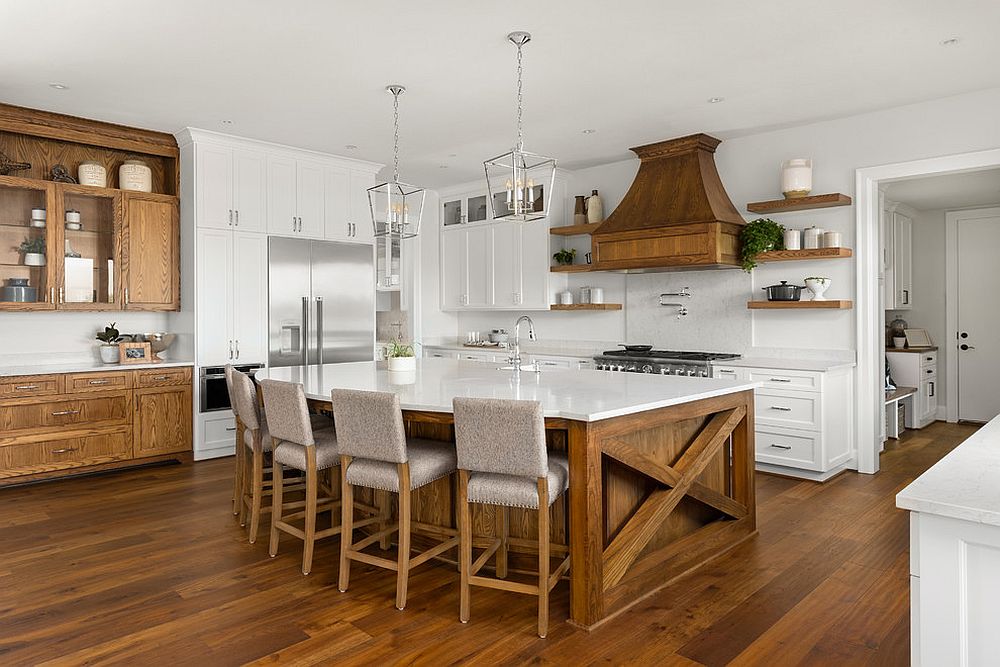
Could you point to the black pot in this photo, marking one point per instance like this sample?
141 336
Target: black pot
636 348
784 292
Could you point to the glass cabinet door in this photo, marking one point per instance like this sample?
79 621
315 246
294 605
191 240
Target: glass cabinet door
26 277
476 207
452 213
90 271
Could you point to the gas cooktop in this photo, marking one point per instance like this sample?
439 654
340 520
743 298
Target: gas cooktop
672 355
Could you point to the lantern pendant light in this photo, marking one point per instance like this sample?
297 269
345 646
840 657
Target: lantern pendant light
396 208
520 183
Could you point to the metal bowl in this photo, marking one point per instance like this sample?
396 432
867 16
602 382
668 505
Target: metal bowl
158 341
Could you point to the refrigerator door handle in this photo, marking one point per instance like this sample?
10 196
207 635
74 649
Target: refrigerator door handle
305 331
319 330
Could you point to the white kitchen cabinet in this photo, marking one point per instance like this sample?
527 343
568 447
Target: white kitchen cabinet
309 198
346 214
506 264
466 267
464 208
360 214
295 197
903 260
230 188
250 298
919 370
534 262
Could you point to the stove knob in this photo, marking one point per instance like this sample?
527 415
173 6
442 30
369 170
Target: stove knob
703 373
664 371
632 368
648 368
679 371
600 367
691 372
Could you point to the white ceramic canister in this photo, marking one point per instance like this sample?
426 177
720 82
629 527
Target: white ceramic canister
793 239
831 239
72 215
135 175
811 238
91 173
796 178
585 295
566 298
597 295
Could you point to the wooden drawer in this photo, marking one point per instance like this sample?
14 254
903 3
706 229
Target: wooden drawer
36 415
787 408
59 454
19 386
803 380
162 377
788 448
77 383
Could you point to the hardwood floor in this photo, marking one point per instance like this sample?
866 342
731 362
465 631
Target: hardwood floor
148 567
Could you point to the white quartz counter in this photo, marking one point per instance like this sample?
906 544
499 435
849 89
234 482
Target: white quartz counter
81 367
965 484
580 395
527 350
815 365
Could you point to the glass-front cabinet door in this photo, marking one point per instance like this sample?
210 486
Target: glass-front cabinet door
476 207
91 266
451 213
28 239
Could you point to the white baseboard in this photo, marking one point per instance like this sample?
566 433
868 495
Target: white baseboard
806 474
216 453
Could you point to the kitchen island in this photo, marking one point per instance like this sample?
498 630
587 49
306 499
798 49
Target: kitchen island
661 468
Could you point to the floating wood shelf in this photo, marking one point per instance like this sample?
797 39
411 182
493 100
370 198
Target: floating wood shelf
586 306
574 230
835 304
571 268
800 203
811 253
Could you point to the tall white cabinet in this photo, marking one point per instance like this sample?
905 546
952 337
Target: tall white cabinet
897 256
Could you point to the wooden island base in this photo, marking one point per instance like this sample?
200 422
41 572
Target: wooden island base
652 496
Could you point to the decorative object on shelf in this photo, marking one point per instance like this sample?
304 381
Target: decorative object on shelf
818 286
565 257
831 240
68 250
34 251
109 343
520 172
917 338
566 298
793 239
580 210
812 238
134 353
589 257
135 175
783 292
396 208
585 294
8 166
499 336
796 178
401 356
595 208
73 222
17 290
38 216
899 342
596 295
60 174
159 341
897 328
92 173
758 236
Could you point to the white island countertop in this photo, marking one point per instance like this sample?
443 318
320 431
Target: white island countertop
580 395
964 485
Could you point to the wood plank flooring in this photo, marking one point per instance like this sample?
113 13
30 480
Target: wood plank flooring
148 567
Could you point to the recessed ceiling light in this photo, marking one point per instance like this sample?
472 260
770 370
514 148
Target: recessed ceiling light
59 86
951 41
715 100
452 154
442 166
351 147
227 122
588 131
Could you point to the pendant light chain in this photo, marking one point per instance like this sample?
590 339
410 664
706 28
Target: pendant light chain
520 99
395 136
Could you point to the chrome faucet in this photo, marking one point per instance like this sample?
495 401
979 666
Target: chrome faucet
515 358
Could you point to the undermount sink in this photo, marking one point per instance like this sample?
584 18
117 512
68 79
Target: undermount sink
534 368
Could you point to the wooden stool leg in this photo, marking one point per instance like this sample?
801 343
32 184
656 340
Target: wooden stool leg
543 557
256 492
312 489
238 474
464 544
403 571
346 523
276 488
383 500
503 532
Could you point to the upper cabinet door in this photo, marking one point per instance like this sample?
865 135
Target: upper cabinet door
309 198
506 265
533 265
214 171
479 266
152 255
337 204
214 293
454 279
361 217
281 215
249 175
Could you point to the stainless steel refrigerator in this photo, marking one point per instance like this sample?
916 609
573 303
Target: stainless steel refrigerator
321 302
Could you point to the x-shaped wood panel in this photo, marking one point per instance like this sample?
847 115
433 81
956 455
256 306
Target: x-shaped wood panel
679 480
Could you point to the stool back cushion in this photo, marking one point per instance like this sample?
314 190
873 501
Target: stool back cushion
287 412
369 425
501 436
228 370
244 399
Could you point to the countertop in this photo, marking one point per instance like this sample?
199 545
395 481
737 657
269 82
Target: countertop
580 395
964 485
82 367
913 350
815 365
527 348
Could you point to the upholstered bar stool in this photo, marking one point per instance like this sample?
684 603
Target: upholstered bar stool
240 469
376 454
297 446
503 461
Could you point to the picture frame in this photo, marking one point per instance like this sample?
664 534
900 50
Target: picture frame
135 353
917 338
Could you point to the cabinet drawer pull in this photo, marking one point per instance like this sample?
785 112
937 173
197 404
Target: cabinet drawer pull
99 381
63 413
230 428
726 372
781 408
780 380
776 446
160 377
26 387
929 370
64 450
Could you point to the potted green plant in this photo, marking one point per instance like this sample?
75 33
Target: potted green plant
759 236
34 251
565 257
401 356
109 344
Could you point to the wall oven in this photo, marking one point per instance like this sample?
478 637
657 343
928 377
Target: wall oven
214 394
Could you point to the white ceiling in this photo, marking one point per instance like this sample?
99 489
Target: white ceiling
311 73
950 191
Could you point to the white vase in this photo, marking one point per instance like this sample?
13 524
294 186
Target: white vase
595 208
796 178
818 286
397 364
34 259
109 354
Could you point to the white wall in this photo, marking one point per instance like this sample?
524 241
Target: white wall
55 336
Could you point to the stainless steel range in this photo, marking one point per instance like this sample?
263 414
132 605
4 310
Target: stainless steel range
664 362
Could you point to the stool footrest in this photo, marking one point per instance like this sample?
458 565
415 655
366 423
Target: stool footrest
504 585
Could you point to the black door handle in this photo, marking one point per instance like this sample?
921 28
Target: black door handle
963 346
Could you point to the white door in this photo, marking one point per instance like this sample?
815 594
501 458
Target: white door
214 293
309 198
978 315
249 200
479 266
453 279
534 266
903 261
250 298
506 265
337 204
215 186
281 216
360 215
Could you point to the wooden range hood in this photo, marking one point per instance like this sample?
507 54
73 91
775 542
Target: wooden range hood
676 215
